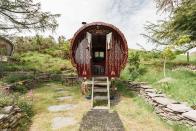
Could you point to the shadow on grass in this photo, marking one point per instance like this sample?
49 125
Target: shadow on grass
123 90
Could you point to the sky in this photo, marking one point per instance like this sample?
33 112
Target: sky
129 16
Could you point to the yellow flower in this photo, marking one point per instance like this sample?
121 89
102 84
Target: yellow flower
20 82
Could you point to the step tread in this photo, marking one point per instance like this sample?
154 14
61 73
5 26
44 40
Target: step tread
100 98
101 107
100 90
100 83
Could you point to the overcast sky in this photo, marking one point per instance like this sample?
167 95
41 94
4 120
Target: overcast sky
128 15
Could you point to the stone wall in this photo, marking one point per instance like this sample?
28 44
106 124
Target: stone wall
167 108
44 77
10 117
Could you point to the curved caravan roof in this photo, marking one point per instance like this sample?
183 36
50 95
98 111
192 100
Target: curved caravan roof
6 47
118 42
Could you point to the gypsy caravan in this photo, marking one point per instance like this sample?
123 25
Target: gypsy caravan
99 52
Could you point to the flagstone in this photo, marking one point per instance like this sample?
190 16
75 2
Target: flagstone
60 122
56 108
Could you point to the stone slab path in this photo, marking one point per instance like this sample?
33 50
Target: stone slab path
64 107
60 122
64 98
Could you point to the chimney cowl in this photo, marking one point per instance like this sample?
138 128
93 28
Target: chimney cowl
84 23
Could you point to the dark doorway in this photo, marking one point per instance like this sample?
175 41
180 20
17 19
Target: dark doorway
98 55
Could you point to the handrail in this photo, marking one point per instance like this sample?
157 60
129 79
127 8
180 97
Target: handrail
108 90
92 94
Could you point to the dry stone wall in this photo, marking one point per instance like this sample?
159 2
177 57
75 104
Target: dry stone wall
167 108
10 117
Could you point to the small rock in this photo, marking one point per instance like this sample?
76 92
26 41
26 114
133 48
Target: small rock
166 80
190 115
60 122
57 108
179 107
155 95
146 87
61 92
150 90
7 109
64 98
2 116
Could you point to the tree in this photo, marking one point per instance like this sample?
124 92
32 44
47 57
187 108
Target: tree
19 15
179 31
135 68
166 5
167 54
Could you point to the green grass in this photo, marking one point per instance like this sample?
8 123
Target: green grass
46 95
183 59
45 62
31 61
182 88
133 107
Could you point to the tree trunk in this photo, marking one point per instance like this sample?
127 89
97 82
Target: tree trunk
187 56
164 71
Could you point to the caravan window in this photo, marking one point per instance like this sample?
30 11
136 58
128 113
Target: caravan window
99 54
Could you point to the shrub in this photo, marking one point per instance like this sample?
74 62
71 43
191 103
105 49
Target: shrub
6 100
20 88
14 78
26 107
135 68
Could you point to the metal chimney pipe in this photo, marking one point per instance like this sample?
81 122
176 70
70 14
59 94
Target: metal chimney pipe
84 23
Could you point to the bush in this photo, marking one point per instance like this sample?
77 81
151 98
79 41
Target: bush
20 88
26 107
6 100
135 68
15 78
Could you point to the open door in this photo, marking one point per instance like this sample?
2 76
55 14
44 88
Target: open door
108 52
114 56
83 56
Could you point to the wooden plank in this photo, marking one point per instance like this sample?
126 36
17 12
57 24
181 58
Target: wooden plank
100 98
100 90
100 108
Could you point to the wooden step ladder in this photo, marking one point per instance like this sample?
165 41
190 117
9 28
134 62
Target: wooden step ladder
100 85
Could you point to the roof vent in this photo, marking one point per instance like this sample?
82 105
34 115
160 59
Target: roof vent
83 23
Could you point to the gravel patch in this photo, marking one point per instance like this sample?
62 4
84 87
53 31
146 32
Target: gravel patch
101 120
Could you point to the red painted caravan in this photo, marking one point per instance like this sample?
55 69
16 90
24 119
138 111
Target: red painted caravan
99 49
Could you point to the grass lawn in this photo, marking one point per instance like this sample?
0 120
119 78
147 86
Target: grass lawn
46 95
183 59
31 61
138 115
181 88
183 84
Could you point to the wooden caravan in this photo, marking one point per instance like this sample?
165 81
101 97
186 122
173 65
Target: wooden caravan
99 49
6 49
